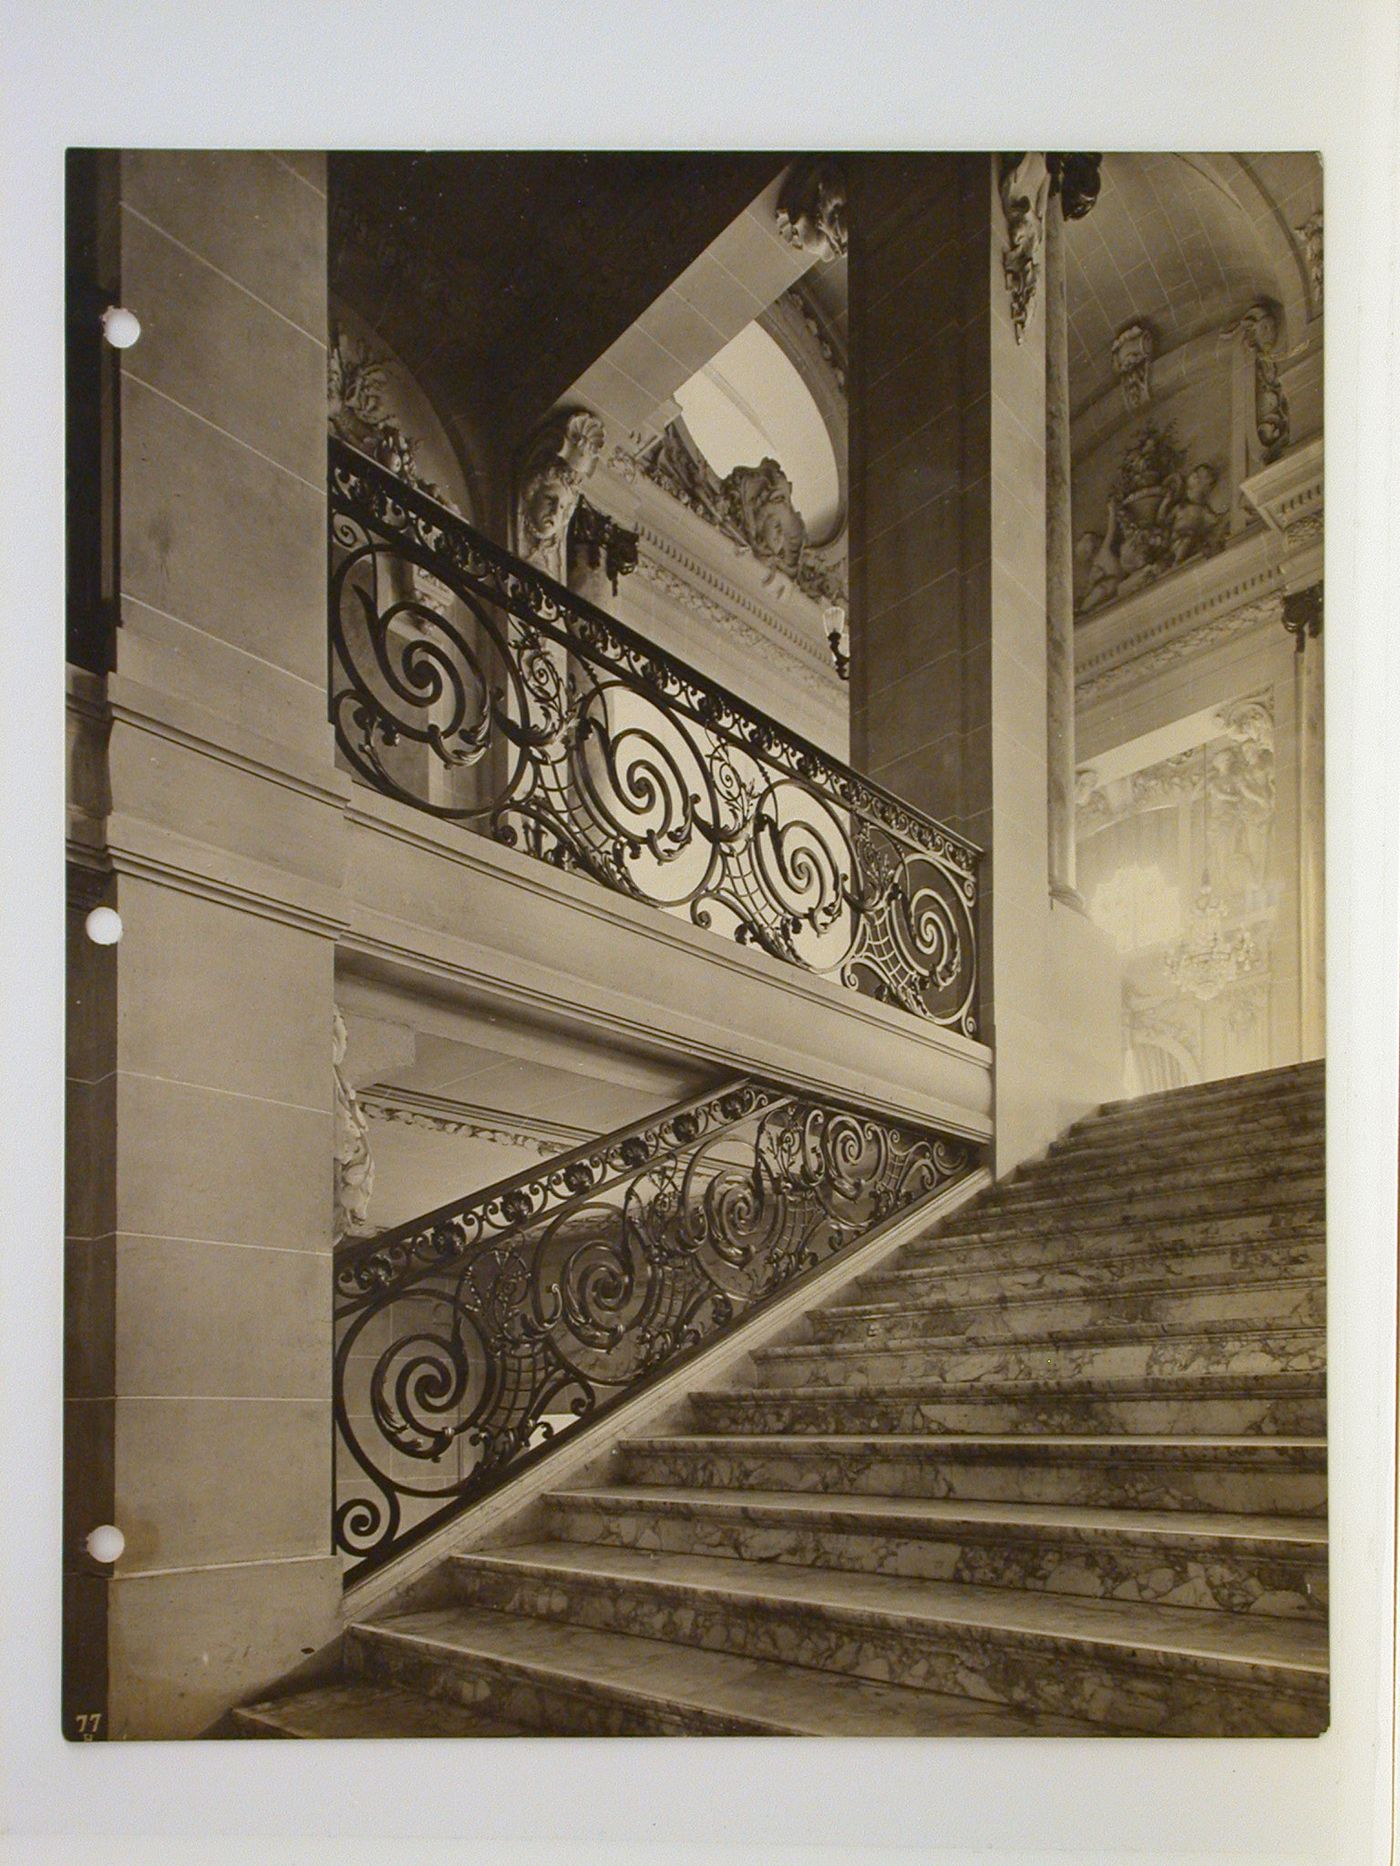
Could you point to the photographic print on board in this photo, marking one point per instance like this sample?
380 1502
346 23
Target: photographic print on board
695 1087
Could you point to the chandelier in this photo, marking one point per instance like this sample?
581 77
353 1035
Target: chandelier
1209 957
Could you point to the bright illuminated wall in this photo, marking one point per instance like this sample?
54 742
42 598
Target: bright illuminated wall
1188 862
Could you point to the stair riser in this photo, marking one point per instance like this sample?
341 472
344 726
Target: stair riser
531 1697
1223 1577
1230 1418
1073 1200
1127 1175
986 1249
1234 1354
1298 1088
1271 1487
1241 1264
1238 1147
1065 1230
1276 1124
1014 1669
1259 1306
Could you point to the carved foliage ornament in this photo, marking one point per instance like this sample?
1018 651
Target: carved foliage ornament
353 1167
812 210
358 397
1024 187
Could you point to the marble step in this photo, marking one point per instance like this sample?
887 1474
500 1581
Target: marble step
978 1243
1138 1667
1077 1360
1119 1271
1185 1193
1067 1219
1273 1565
1127 1167
571 1680
1301 1114
1234 1145
1259 1084
1270 1405
1281 1477
356 1707
1284 1302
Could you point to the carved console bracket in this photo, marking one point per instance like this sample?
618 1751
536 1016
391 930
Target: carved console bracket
1026 183
811 209
1258 331
560 458
1132 364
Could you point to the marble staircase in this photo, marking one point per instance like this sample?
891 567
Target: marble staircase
1056 1468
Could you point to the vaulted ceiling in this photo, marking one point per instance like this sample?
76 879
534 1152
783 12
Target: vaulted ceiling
1185 243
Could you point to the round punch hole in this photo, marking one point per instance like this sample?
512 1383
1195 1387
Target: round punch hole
104 926
106 1542
120 327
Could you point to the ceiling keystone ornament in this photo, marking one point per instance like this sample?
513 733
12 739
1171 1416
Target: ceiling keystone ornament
1310 233
1132 364
561 457
811 209
1023 184
1258 331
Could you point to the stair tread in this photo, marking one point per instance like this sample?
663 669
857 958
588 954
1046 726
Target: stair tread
357 1707
938 1512
1184 1632
764 1696
1118 1332
1031 1298
1128 1386
1129 1447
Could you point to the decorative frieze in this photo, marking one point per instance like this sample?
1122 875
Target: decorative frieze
439 1115
1167 645
811 210
1132 364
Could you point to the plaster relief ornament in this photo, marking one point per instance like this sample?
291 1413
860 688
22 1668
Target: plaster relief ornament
359 412
1158 517
1258 332
1310 233
1024 187
811 210
1132 364
353 1169
752 505
563 455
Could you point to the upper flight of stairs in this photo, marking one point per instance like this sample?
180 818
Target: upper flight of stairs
1056 1468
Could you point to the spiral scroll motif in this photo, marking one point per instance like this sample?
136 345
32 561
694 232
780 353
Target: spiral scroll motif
468 1340
467 683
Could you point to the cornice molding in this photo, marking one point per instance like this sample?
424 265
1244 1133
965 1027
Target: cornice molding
1207 597
1288 494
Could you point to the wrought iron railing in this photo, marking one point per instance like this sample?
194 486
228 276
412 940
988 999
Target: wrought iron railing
474 687
470 1340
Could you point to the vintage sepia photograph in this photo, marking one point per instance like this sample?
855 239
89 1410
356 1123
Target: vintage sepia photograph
696 973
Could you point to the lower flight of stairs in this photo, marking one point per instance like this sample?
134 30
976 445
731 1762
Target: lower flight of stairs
1058 1468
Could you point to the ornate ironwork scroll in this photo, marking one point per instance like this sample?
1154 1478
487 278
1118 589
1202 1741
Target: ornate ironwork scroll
472 1338
471 685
